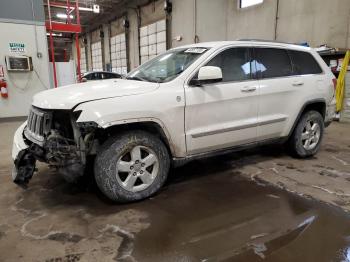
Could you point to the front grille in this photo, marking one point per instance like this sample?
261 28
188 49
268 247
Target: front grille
38 125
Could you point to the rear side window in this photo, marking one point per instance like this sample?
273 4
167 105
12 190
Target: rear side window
234 63
304 63
273 62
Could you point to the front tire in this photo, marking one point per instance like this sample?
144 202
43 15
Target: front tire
307 135
131 166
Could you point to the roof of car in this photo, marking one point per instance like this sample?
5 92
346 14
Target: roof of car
256 42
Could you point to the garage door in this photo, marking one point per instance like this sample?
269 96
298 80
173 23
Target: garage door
83 64
152 40
152 30
118 54
96 52
118 47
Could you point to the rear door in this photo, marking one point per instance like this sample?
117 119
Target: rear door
284 87
224 114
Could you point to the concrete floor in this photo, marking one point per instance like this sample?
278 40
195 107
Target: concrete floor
220 209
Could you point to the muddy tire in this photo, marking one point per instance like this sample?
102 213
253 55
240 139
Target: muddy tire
131 166
307 135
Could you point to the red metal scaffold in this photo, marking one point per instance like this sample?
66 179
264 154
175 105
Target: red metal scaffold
67 27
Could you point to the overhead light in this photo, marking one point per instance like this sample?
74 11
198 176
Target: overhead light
54 34
85 9
64 16
247 3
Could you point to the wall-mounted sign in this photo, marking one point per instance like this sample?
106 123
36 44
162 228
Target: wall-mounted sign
17 47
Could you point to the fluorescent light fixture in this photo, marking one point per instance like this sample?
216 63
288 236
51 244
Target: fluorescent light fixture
64 16
85 9
247 3
54 34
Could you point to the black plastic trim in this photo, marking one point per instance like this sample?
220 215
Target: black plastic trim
313 101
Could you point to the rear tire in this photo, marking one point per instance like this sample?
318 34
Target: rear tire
131 166
307 135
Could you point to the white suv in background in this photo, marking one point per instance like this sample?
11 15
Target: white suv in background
190 102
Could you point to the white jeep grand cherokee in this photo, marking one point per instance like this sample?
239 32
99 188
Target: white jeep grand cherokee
190 102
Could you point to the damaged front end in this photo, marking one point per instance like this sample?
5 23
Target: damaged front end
53 137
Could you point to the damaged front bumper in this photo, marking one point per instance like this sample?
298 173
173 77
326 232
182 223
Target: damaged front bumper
24 162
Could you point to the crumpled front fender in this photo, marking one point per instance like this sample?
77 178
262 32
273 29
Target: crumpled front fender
18 141
24 162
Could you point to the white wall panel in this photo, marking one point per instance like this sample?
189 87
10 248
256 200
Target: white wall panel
161 37
161 48
144 31
161 25
144 41
152 39
152 49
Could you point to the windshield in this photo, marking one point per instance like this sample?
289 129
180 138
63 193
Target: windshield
166 67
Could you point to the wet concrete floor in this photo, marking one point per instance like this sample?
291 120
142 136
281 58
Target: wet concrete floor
208 211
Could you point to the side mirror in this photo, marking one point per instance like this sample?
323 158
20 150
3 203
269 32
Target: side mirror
208 75
83 80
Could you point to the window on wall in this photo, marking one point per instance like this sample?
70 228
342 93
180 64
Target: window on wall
96 51
83 64
152 40
247 3
118 54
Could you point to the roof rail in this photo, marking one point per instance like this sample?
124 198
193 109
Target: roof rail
267 41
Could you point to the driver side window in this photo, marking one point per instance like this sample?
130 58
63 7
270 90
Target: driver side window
235 64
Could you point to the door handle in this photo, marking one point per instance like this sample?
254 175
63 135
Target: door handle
247 89
299 83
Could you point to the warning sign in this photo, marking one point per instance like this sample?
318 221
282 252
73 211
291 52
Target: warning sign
17 47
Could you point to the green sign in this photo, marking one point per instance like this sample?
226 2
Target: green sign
17 47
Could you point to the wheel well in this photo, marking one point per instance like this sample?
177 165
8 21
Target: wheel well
319 106
316 106
149 126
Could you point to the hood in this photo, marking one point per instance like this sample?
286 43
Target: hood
69 96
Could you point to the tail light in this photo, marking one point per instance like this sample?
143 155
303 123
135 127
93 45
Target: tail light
334 80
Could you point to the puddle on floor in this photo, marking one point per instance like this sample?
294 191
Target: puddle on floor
223 217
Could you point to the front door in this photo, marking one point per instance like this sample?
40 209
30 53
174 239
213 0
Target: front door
224 114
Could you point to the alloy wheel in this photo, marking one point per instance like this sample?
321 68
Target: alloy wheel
311 135
137 169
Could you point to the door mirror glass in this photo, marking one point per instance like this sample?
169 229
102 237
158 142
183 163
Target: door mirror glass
83 79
